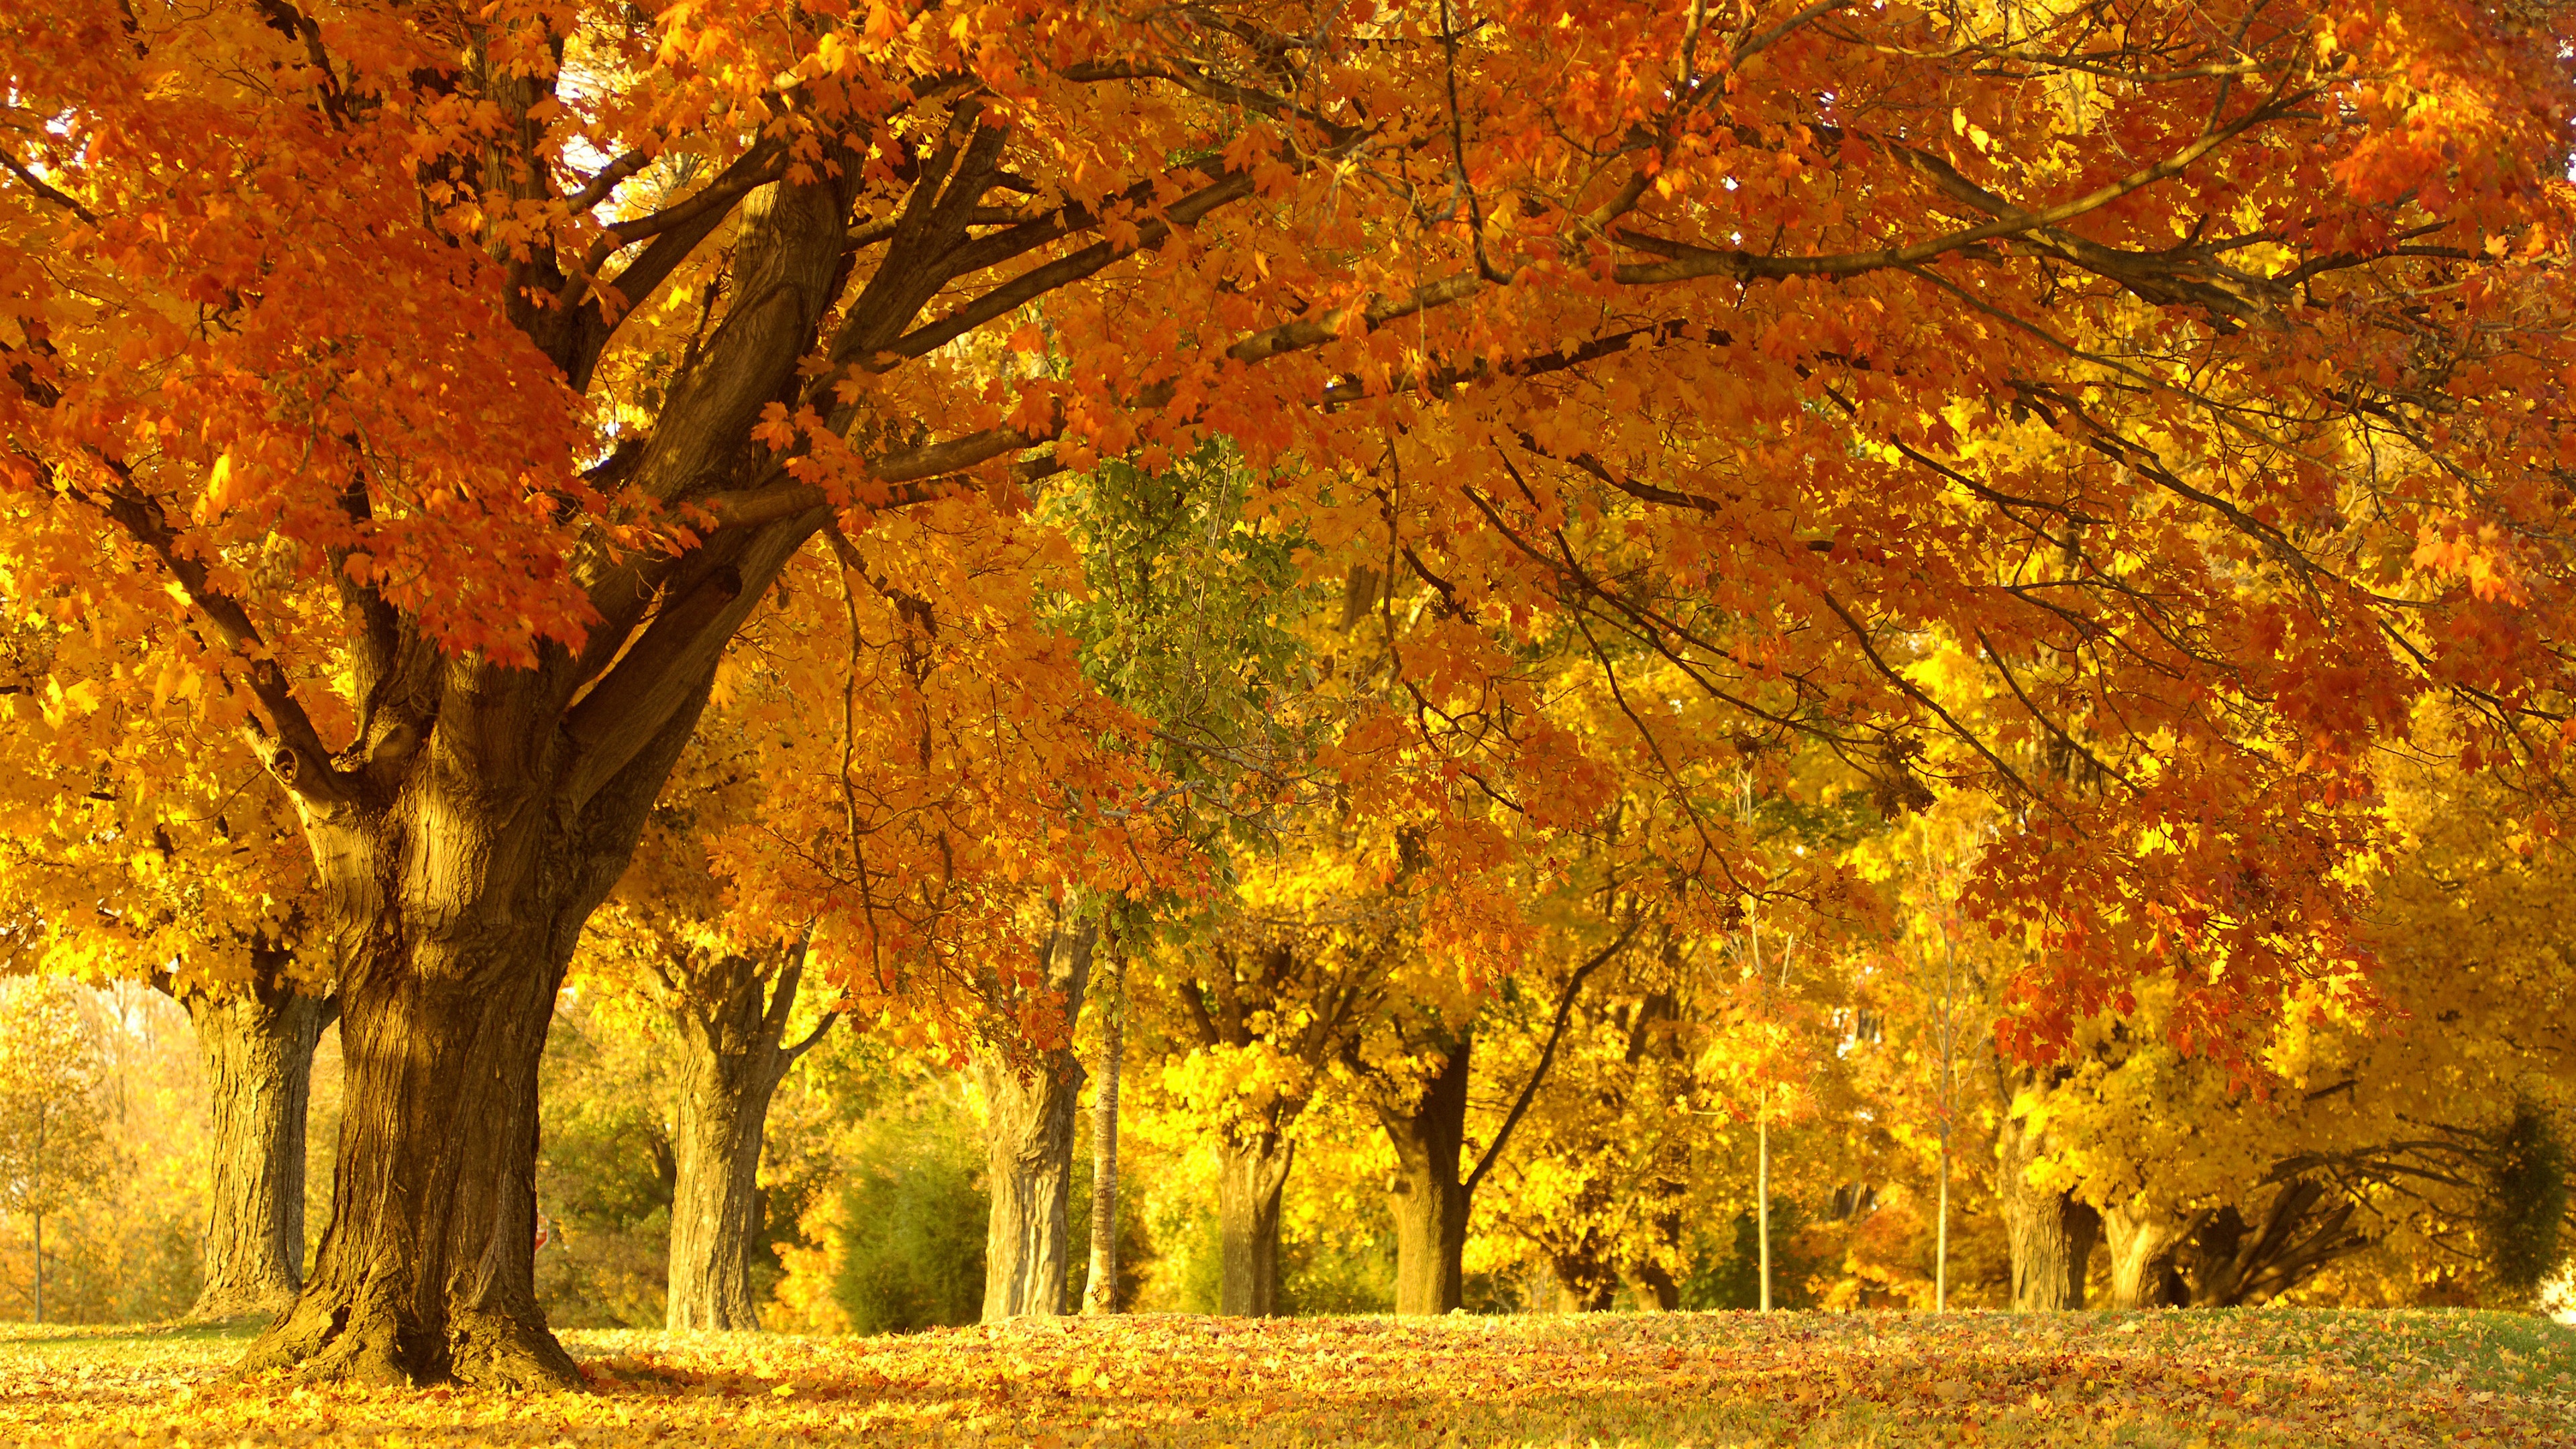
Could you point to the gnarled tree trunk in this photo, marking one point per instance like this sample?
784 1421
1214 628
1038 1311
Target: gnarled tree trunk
1429 1199
481 805
734 1053
2051 1233
1029 1126
1586 1281
2144 1246
455 902
1250 1175
257 1046
2231 1262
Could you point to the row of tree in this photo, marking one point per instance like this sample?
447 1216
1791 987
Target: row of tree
495 457
1536 1022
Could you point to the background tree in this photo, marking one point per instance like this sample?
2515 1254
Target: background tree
185 875
53 1110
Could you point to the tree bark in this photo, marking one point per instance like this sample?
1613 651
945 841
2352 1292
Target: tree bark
257 1046
1030 1125
1250 1175
1586 1281
1100 1284
2051 1233
454 905
734 1053
2144 1247
2231 1262
482 806
1429 1199
1655 1288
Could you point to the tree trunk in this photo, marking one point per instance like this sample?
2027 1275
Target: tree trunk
258 1050
2144 1246
734 1053
2051 1233
1585 1281
453 906
1249 1177
1655 1288
1030 1124
2233 1262
1430 1201
428 1269
1100 1284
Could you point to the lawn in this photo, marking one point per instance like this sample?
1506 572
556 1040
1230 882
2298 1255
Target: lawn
2264 1377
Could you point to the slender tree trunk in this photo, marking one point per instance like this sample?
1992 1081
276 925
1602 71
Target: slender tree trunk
1429 1199
734 1053
39 1221
2051 1233
1762 1203
1250 1175
257 1046
1030 1125
2143 1246
1100 1283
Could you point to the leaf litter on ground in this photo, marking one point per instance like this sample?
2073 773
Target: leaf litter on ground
2182 1379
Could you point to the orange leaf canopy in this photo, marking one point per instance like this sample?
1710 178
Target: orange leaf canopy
2136 411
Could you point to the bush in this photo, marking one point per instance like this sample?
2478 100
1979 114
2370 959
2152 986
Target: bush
913 1219
1728 1273
2526 1205
1324 1275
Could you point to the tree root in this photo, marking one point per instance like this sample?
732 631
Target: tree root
368 1343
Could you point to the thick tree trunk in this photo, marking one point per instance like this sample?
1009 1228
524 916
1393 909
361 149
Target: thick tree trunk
1429 1199
257 1046
1655 1288
1030 1119
2231 1262
1250 1175
454 905
2051 1234
1585 1280
734 1053
428 1269
1579 1253
2144 1244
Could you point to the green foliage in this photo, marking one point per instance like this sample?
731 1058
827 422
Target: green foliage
605 1173
1728 1273
2527 1202
1327 1275
1190 622
913 1218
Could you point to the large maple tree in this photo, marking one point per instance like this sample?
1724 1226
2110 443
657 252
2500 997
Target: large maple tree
442 387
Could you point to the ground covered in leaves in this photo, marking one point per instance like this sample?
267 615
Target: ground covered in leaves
2183 1379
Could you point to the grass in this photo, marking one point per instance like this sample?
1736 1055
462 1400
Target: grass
2261 1377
